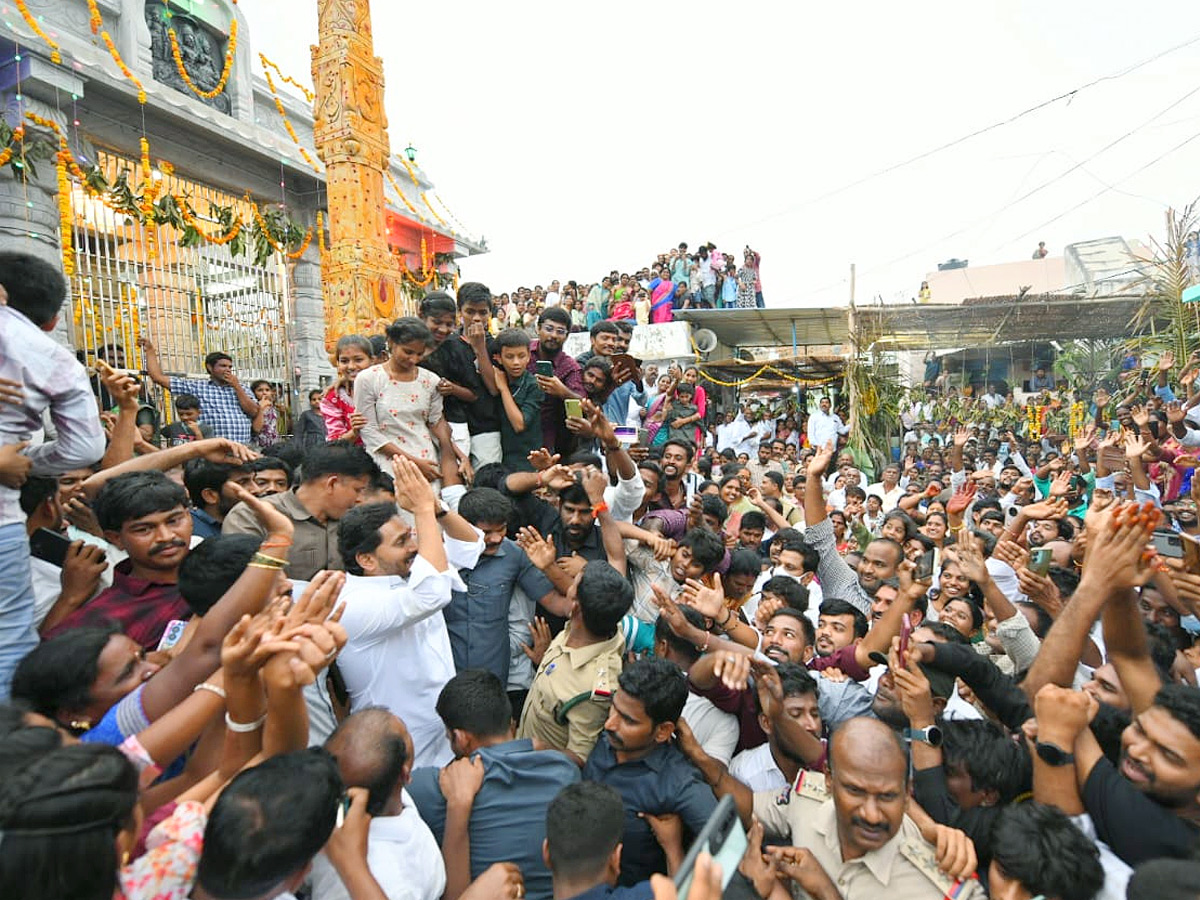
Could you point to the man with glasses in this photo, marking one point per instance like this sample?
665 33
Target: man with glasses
565 384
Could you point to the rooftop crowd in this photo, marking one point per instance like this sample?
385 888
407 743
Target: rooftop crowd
494 622
679 278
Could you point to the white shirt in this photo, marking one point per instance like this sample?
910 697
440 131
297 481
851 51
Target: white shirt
552 299
398 653
52 380
403 857
824 428
730 434
715 730
889 498
756 769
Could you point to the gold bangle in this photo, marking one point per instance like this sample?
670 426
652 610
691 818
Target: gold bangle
269 561
255 565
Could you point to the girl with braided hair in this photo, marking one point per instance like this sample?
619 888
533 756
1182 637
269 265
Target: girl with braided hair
68 817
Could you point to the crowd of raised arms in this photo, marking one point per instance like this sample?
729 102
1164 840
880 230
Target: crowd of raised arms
491 621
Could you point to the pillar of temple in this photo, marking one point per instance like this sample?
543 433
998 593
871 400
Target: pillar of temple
360 275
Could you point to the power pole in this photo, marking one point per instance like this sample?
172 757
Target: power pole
360 277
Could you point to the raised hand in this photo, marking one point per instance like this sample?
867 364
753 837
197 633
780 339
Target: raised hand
820 461
1135 446
708 601
413 490
541 459
961 436
1140 415
1060 485
1166 362
961 498
222 450
1045 509
12 392
540 634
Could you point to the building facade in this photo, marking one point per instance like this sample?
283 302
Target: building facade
186 208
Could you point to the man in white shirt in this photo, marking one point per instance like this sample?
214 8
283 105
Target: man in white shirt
42 376
824 426
774 765
888 487
374 751
553 298
398 581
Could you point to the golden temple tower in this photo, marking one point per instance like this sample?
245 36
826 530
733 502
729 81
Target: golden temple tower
359 276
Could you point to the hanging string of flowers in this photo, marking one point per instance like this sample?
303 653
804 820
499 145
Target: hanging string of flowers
425 198
36 28
64 213
412 173
97 24
230 50
412 209
287 123
287 79
14 138
264 235
428 268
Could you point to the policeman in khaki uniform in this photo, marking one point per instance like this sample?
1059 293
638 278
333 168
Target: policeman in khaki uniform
854 824
571 693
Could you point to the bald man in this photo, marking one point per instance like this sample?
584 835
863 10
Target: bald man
853 822
374 750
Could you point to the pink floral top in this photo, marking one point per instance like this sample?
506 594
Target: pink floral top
337 406
167 870
398 412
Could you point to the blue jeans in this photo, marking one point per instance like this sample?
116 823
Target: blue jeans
17 634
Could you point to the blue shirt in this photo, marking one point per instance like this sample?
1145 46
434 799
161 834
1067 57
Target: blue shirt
508 818
478 619
616 407
203 525
219 407
664 781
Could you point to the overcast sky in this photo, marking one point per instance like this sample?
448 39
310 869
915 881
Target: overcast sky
578 138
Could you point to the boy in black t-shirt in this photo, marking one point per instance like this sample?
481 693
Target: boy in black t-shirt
187 427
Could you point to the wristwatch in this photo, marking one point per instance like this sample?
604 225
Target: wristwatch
1054 755
931 735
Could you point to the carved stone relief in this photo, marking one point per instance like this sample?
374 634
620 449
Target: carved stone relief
202 52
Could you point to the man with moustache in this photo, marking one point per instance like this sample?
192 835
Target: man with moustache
146 515
676 461
398 652
637 757
853 822
565 384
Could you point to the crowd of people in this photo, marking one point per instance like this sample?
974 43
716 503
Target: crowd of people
704 278
495 622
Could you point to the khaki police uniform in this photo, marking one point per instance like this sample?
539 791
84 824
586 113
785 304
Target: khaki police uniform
569 699
905 868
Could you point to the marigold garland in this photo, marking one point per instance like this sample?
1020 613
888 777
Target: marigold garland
18 136
64 213
55 52
412 209
230 49
287 123
275 245
412 173
441 221
97 24
287 79
428 268
190 220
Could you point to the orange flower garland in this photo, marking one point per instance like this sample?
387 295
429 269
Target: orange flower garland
275 245
428 268
230 50
412 173
412 209
287 123
64 212
286 79
97 24
18 136
189 219
441 221
55 53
